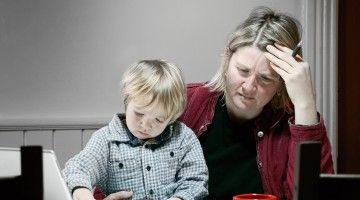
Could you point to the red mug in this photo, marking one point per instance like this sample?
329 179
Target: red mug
254 197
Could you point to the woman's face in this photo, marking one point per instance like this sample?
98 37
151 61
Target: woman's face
250 83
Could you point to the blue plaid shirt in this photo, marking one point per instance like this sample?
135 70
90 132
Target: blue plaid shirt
170 165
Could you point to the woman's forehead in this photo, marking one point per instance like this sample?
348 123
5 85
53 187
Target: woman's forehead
250 57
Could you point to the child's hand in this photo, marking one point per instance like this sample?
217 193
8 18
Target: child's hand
174 198
83 194
119 195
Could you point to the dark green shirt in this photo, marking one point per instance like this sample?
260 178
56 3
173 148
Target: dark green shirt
230 154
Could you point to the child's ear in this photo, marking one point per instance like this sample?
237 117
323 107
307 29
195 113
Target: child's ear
175 117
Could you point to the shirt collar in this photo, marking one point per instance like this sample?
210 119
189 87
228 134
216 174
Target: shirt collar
120 133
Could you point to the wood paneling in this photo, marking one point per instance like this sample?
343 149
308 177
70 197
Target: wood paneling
67 143
349 87
43 138
11 138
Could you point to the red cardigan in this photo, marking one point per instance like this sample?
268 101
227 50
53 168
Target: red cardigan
276 139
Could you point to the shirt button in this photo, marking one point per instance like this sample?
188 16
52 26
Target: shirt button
260 164
260 134
151 192
148 168
172 154
121 165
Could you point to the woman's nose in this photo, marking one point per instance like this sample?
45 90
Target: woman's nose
249 84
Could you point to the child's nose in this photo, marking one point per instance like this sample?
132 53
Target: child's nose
146 124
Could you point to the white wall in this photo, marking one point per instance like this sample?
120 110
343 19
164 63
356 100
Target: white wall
61 61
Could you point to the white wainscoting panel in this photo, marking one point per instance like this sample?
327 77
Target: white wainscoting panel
11 138
43 138
67 143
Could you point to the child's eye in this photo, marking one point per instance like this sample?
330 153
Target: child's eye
158 120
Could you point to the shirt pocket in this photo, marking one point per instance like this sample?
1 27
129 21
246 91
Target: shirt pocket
169 162
124 169
124 163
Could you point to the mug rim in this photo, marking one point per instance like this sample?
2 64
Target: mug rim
252 195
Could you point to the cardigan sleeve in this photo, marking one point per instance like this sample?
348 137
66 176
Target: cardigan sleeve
300 133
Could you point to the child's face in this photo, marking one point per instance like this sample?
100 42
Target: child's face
145 122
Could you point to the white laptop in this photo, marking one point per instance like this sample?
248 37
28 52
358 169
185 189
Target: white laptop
54 185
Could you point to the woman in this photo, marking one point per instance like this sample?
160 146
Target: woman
256 109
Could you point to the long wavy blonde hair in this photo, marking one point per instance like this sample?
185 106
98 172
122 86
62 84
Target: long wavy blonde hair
263 27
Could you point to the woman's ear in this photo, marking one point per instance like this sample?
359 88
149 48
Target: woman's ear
278 92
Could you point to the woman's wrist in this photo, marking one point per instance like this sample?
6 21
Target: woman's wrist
306 114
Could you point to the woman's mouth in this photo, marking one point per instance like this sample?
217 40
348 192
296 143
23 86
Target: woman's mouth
246 97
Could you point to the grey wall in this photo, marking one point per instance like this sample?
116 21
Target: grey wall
61 61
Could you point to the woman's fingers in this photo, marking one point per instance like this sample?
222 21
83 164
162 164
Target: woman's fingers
282 53
289 51
283 48
280 71
278 62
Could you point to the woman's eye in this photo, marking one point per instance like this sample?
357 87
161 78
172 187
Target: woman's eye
266 79
244 70
138 114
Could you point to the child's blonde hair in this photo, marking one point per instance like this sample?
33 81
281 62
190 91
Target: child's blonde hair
155 81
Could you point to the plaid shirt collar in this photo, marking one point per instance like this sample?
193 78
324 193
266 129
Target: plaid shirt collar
118 124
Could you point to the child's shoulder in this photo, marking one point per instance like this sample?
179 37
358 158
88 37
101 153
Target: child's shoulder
182 136
102 132
181 130
180 126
